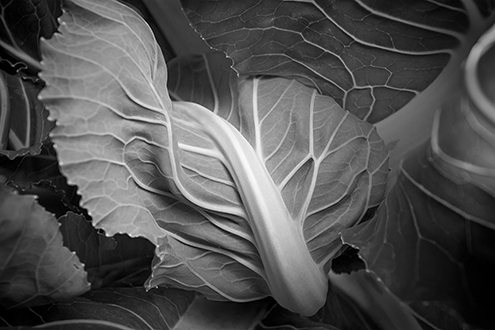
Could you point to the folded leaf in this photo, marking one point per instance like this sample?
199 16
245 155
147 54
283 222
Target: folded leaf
35 267
238 210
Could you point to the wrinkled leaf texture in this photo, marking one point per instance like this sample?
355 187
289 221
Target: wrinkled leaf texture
391 63
144 168
432 238
371 56
35 267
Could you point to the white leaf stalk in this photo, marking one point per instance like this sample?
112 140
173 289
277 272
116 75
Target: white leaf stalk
294 279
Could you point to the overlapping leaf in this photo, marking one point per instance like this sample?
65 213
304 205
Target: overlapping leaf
149 168
35 267
372 57
432 239
322 160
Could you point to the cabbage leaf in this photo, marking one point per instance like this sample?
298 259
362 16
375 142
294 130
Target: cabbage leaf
432 238
241 206
392 63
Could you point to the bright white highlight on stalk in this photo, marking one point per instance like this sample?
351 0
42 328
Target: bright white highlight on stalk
295 280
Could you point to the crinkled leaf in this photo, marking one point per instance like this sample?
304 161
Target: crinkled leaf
22 23
223 202
35 267
23 119
433 238
109 261
98 155
372 57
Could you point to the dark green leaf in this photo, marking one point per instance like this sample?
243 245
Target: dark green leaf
372 57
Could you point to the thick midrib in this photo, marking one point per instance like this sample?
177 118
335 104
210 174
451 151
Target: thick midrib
295 280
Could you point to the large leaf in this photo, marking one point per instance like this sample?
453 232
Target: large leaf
302 138
372 57
433 238
35 267
275 116
238 210
98 154
22 23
